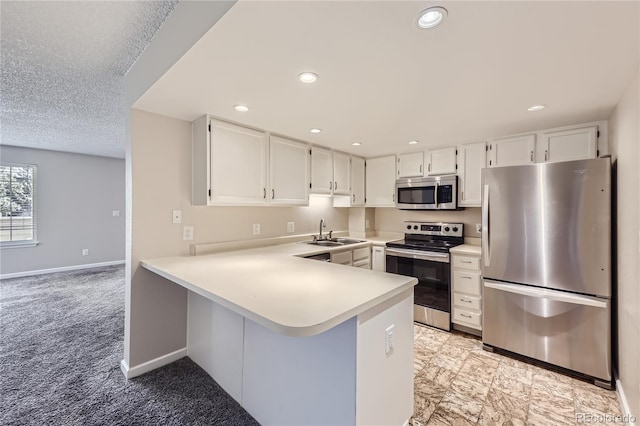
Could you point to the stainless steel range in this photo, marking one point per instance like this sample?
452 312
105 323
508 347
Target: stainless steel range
424 254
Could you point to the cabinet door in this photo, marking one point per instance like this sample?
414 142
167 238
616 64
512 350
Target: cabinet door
513 151
567 145
441 161
357 181
321 171
473 158
378 261
288 171
410 165
381 182
341 174
238 164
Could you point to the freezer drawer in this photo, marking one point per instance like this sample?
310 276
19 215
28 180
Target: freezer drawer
565 329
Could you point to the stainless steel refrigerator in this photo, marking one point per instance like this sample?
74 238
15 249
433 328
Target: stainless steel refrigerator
546 263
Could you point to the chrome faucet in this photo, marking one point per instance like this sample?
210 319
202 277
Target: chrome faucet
323 224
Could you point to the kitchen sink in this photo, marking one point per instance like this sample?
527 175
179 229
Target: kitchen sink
334 242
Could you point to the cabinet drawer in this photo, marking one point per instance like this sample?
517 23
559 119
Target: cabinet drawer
469 302
466 262
361 253
468 318
466 282
343 258
362 264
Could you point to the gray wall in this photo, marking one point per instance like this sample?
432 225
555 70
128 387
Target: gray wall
624 139
75 197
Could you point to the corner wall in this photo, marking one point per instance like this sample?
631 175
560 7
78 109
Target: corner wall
75 199
624 139
161 182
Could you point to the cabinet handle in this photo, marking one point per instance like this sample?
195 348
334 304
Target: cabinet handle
465 277
462 195
466 316
335 186
532 156
394 197
429 167
354 198
465 261
264 193
545 155
420 168
273 194
465 300
330 184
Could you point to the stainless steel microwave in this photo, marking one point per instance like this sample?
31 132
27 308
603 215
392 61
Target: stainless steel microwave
427 193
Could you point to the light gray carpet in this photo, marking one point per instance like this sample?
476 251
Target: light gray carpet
61 345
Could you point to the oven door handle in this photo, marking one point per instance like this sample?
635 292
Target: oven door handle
418 254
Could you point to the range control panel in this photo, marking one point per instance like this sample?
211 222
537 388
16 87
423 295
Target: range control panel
428 228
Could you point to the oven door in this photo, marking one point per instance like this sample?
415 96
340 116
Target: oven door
432 271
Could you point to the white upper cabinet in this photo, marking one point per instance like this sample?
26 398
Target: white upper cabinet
381 182
341 173
473 158
410 165
441 161
512 151
238 159
357 182
567 145
321 170
288 171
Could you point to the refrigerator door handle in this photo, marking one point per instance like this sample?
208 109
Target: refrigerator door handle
556 296
486 254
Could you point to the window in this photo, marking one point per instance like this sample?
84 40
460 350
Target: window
17 206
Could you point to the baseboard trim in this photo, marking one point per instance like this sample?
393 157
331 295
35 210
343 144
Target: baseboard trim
626 411
61 269
145 367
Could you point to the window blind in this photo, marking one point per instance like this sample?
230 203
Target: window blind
17 207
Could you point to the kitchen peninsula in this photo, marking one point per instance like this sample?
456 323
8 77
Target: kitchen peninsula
297 341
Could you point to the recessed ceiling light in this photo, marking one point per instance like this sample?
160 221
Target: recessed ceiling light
356 144
432 17
241 108
413 142
308 77
315 130
536 107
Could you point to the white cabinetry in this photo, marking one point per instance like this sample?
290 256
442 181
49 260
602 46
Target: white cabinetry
342 257
410 165
321 170
573 144
378 259
441 161
466 289
288 171
341 174
381 182
357 182
473 158
512 151
358 258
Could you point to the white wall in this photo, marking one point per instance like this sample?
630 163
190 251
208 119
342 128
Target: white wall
161 182
392 220
624 138
75 197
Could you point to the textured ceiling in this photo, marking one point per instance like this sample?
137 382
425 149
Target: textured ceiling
384 82
63 67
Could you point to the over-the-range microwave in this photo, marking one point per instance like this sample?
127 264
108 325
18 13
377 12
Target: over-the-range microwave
427 193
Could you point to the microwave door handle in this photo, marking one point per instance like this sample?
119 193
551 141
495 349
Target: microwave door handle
486 253
435 193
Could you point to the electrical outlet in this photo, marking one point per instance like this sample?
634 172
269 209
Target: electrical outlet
187 233
256 229
85 252
291 227
177 216
388 339
115 213
478 227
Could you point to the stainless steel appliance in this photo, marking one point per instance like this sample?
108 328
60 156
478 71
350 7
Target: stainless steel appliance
428 193
546 264
424 254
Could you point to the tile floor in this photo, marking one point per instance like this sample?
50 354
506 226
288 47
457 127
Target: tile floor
456 382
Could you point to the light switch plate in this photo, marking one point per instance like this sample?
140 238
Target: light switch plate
256 229
187 233
85 252
291 227
115 213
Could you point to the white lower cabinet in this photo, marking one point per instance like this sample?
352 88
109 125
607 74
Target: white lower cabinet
466 291
378 259
342 257
358 258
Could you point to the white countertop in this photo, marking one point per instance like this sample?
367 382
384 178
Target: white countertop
467 249
278 289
